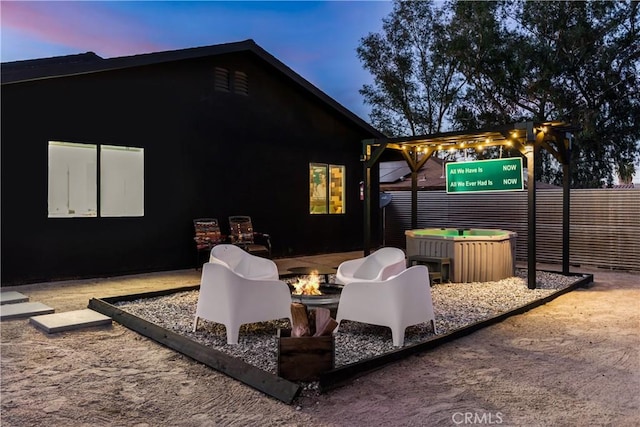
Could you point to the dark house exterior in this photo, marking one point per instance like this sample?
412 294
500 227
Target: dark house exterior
218 131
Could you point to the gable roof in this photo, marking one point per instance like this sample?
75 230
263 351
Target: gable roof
395 175
32 69
86 63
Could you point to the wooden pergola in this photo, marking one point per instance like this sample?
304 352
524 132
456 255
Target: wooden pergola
527 137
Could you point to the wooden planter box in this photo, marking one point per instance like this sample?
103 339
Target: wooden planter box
304 358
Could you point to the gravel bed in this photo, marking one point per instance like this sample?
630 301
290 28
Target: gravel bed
455 305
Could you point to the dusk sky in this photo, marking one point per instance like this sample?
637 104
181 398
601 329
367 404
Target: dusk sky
318 40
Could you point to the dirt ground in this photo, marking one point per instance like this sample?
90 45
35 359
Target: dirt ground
574 361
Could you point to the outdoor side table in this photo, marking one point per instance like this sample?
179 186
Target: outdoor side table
439 268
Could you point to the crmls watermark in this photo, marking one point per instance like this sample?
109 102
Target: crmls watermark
476 418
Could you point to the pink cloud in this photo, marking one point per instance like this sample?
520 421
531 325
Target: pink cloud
80 26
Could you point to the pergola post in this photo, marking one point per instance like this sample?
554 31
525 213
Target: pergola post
566 201
368 159
415 165
414 193
531 153
366 154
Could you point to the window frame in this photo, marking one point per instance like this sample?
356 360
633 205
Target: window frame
91 182
323 188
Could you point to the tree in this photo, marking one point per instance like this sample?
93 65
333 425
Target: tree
511 61
415 87
581 67
593 52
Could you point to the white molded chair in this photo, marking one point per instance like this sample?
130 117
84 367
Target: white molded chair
243 263
380 265
401 301
230 299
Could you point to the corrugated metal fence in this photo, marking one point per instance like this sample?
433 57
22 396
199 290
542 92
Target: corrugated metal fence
605 223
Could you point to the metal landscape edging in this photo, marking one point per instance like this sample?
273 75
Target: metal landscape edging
271 384
342 375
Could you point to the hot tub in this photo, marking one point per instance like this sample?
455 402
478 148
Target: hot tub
475 255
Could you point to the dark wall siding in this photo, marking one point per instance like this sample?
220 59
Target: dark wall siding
207 153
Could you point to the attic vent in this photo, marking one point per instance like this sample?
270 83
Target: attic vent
221 80
241 83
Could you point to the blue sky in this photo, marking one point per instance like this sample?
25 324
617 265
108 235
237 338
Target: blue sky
317 39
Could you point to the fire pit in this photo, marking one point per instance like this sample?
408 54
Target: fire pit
330 295
319 269
310 292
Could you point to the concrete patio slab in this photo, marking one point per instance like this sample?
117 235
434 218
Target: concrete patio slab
70 320
23 309
12 297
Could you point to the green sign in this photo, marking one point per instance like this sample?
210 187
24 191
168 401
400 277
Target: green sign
485 175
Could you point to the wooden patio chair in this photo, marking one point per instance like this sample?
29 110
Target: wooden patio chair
242 234
207 235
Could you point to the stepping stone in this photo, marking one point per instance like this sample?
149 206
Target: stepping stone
12 297
23 309
69 320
